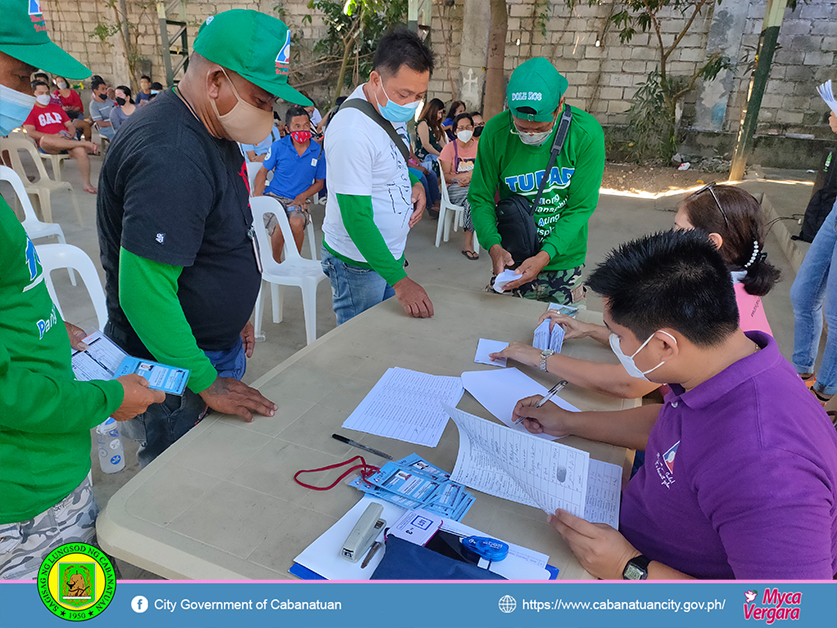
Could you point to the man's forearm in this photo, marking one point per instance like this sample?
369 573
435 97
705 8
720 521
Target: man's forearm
623 428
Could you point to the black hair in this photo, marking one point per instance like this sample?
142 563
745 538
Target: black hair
461 116
157 86
430 114
742 228
146 77
673 279
456 104
37 82
475 114
293 112
96 81
42 76
127 91
402 47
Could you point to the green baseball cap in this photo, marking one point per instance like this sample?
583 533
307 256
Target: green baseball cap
23 35
538 85
254 45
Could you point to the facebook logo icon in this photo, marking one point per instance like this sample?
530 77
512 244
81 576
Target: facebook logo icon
139 604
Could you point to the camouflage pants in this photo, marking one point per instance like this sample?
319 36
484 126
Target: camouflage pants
25 544
553 286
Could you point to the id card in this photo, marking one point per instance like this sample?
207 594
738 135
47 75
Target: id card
395 479
169 379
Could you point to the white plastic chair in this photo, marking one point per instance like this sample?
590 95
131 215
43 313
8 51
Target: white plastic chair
34 228
296 271
450 214
252 168
43 186
55 256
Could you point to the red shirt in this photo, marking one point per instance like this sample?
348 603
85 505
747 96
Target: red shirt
73 100
50 119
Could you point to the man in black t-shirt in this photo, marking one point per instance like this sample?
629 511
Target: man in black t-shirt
175 227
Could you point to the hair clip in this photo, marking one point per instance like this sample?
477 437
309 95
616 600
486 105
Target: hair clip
755 256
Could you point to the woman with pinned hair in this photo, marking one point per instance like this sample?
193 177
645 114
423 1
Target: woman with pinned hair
125 107
732 219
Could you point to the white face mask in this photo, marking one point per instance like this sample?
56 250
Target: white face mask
628 361
14 109
465 136
62 85
534 139
43 99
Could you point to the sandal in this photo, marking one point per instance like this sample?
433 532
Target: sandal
472 255
822 398
810 380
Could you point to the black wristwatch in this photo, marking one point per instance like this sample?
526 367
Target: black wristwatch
636 569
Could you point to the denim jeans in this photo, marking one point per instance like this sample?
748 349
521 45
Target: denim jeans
814 287
430 183
353 289
162 424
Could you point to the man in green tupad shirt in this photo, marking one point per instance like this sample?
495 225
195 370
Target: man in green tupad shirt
175 227
513 154
46 498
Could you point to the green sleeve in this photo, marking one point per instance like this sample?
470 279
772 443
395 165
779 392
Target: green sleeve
481 191
357 215
148 296
582 197
35 402
414 179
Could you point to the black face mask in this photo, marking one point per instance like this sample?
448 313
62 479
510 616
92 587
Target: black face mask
478 131
102 96
120 101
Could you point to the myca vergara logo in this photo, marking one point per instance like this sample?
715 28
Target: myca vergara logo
76 581
773 605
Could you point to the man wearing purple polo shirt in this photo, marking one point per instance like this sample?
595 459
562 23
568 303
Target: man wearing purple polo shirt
740 478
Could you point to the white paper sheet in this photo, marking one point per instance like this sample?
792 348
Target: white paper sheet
519 467
503 278
604 489
486 347
546 338
499 391
100 360
827 94
407 405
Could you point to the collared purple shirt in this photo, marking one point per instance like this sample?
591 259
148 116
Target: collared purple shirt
740 477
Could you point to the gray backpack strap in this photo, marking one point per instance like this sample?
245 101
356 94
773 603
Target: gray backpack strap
557 145
372 113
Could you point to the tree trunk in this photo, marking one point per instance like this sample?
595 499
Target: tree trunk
347 47
495 84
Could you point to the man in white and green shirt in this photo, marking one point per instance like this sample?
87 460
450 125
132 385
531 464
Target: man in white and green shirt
513 154
373 201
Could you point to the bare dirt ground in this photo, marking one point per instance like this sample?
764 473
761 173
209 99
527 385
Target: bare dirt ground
635 178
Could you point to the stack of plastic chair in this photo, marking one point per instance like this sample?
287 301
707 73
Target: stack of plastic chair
295 270
34 228
43 186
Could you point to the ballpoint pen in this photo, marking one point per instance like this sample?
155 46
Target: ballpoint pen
353 443
549 395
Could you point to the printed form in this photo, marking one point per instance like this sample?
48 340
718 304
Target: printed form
407 405
528 470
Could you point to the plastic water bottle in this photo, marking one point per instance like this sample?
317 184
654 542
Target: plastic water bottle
111 454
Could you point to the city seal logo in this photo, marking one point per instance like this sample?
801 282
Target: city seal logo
76 582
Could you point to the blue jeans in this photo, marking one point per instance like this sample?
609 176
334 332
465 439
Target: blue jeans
163 423
814 286
353 289
431 185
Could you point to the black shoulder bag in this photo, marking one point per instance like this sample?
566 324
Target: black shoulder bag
372 113
516 215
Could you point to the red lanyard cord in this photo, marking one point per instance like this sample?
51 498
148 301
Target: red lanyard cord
366 471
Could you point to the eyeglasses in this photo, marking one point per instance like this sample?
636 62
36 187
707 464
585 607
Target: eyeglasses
710 187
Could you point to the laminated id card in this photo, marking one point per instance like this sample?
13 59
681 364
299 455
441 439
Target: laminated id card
169 379
392 477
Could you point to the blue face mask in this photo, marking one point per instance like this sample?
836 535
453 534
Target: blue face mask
394 112
14 109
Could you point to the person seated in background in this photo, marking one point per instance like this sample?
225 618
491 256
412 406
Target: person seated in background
457 164
257 152
55 134
299 172
70 102
156 88
456 107
144 95
479 123
101 106
430 138
125 107
741 472
732 220
315 116
44 77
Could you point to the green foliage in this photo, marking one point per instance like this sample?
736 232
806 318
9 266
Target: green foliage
542 11
353 35
648 123
103 31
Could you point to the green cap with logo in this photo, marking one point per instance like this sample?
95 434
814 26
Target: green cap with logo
23 35
538 85
254 45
